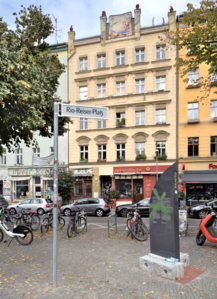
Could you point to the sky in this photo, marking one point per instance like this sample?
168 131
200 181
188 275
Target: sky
84 15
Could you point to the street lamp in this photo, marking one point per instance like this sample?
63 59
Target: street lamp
156 152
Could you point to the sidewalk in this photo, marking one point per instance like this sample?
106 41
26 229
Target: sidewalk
93 266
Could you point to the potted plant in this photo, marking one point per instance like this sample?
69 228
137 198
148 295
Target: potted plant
113 195
161 157
121 158
141 157
121 123
101 160
82 160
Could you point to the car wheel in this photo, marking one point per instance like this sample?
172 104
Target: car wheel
202 214
40 212
67 212
13 211
124 213
99 212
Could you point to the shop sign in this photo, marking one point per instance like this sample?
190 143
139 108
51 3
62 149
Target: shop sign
213 166
139 169
82 171
29 171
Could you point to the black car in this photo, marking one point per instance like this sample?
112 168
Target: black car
200 210
3 202
143 207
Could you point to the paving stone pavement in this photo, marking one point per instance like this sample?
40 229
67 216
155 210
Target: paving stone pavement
91 265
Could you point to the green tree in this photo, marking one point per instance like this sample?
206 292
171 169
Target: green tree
28 79
198 35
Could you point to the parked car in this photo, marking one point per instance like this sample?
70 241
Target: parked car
94 206
200 210
143 206
39 205
3 202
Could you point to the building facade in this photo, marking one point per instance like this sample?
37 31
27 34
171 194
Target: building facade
197 136
26 172
127 69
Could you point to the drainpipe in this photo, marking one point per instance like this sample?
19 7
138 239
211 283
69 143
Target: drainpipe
177 108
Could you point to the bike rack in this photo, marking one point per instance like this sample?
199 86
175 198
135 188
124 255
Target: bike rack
115 224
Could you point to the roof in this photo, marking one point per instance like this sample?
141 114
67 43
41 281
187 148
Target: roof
58 47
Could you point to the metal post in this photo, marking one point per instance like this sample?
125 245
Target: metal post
55 192
156 152
116 229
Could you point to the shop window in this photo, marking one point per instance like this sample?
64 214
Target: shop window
213 145
193 111
161 146
36 152
193 76
101 152
22 189
120 58
140 55
101 91
213 108
140 148
101 61
140 118
160 116
101 124
3 158
140 86
120 88
209 191
19 153
78 191
84 152
83 64
190 194
37 181
124 188
193 144
120 151
160 52
83 123
83 93
160 83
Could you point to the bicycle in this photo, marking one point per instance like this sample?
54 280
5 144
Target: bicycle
29 218
8 216
23 234
136 227
77 223
48 222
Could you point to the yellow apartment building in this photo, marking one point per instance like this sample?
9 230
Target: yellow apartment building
127 69
197 136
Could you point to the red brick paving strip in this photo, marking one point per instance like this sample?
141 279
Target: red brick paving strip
190 273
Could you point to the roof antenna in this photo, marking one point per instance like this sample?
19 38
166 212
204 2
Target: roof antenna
55 30
153 22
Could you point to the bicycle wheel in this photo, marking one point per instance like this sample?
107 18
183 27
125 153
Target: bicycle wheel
13 219
1 235
80 224
70 228
20 221
26 240
139 231
45 225
35 222
61 223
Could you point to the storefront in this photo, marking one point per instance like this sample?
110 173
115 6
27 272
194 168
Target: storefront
83 183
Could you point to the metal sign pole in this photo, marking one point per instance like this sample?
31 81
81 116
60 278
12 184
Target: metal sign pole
55 192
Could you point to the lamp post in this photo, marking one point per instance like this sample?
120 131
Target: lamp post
156 152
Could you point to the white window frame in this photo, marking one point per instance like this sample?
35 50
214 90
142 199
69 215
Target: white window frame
161 115
120 88
140 148
101 90
19 156
161 83
140 86
102 124
121 150
83 64
120 58
139 55
36 151
193 111
140 116
83 93
84 152
213 109
101 61
3 158
160 52
213 76
193 77
161 145
102 151
83 123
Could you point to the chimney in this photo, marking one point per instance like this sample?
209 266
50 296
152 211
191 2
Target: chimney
172 21
71 38
137 14
103 21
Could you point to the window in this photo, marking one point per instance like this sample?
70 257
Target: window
213 109
140 148
193 76
160 52
213 75
160 83
101 152
83 123
93 200
193 111
101 91
161 146
83 93
36 152
84 152
78 189
120 58
140 118
3 160
81 201
193 143
140 86
101 61
160 116
213 145
120 88
120 151
101 124
52 150
140 55
120 119
124 188
19 153
83 64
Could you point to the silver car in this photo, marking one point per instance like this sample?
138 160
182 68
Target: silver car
94 206
39 205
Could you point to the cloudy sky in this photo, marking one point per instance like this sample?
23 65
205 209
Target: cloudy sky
84 14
